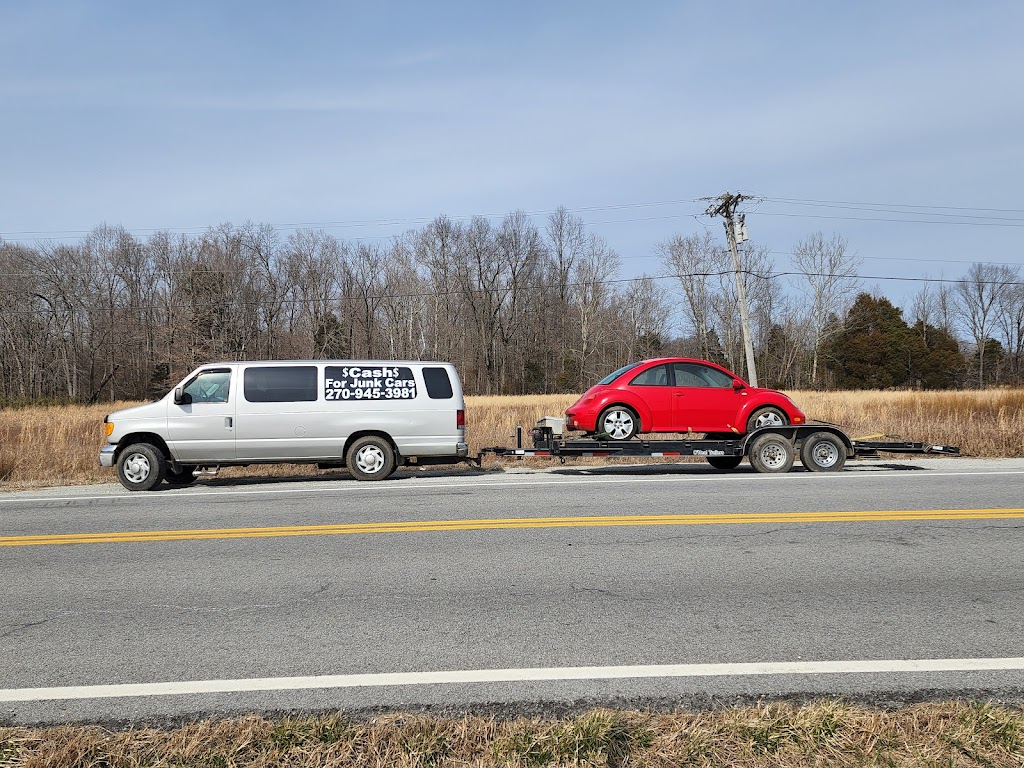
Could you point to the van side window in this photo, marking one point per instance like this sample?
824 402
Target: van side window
212 386
439 386
280 384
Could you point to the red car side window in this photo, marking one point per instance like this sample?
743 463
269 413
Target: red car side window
652 377
697 375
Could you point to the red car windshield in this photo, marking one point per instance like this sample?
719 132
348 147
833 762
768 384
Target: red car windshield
613 376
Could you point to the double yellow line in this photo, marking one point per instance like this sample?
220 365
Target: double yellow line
511 523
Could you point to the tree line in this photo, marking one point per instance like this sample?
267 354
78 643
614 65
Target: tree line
518 307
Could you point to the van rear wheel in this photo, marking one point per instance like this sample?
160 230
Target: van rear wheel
182 476
371 458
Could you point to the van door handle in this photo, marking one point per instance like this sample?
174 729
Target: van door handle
229 422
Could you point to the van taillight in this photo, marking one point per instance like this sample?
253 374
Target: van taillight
460 418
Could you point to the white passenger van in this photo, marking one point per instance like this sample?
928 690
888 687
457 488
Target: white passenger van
368 415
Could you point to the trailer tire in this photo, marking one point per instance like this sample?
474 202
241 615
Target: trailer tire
618 422
772 453
371 458
823 452
724 462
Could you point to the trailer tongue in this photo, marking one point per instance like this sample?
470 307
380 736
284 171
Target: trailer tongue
820 447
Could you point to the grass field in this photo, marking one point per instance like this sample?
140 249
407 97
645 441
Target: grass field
58 445
826 733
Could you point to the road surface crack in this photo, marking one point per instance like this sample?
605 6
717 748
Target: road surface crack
14 629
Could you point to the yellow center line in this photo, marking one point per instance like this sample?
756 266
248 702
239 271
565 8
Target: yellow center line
508 523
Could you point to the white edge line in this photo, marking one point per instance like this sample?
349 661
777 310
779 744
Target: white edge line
456 677
510 484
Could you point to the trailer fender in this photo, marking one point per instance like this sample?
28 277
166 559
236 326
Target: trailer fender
796 434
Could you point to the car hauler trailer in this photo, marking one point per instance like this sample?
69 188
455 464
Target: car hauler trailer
821 447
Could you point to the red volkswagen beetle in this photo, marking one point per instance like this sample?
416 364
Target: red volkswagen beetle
677 394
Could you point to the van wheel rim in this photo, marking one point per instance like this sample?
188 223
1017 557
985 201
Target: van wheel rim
773 455
136 468
769 419
825 454
370 459
618 424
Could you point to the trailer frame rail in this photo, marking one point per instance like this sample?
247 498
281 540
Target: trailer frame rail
820 447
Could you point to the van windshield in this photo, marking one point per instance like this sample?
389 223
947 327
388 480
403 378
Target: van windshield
614 375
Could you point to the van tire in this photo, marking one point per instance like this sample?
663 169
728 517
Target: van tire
371 458
141 467
182 476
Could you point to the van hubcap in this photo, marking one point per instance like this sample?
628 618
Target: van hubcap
136 468
370 459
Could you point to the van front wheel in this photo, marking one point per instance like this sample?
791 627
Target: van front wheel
371 458
141 466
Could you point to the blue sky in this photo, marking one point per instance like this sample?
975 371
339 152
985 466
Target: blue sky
188 114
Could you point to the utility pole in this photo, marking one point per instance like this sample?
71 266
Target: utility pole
725 206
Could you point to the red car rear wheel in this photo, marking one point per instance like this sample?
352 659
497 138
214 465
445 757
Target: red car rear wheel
618 422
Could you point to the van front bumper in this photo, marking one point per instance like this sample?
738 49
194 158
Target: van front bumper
107 455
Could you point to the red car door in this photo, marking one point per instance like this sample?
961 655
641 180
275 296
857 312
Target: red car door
704 399
652 386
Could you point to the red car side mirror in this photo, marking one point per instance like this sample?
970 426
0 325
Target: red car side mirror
738 385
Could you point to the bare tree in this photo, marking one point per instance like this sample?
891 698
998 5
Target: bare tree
697 262
1010 318
829 281
644 311
977 298
591 297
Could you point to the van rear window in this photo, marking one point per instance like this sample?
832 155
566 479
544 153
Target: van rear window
280 384
439 386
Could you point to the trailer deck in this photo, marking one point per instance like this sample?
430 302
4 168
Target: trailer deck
821 447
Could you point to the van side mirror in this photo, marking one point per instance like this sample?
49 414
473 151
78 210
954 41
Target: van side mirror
738 385
181 397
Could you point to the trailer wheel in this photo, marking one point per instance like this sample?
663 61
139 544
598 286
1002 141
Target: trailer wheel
823 452
371 458
724 462
772 453
618 422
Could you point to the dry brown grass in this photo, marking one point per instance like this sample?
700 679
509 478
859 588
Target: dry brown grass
825 733
983 423
58 445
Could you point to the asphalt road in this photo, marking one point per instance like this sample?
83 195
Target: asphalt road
221 601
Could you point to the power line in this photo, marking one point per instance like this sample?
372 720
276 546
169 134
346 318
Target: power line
803 201
353 223
899 221
897 208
